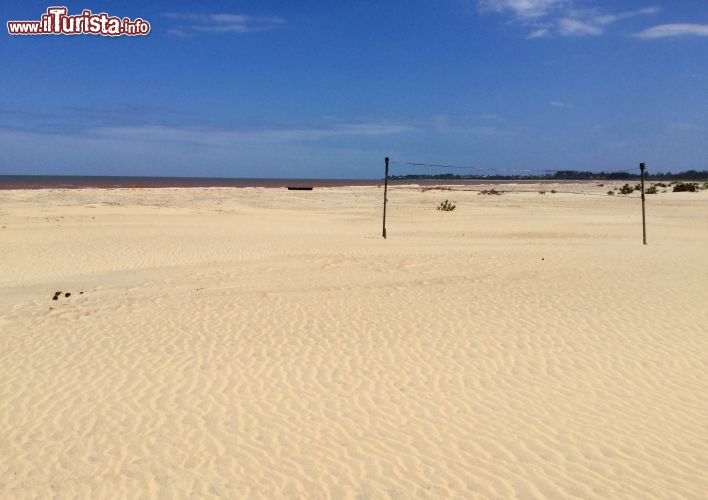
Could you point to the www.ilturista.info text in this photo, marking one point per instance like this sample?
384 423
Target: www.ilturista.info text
56 21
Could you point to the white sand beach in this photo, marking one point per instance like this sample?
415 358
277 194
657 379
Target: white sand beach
261 343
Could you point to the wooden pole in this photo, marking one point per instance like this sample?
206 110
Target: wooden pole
385 198
644 220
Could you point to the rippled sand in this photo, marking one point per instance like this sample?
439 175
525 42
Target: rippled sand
266 343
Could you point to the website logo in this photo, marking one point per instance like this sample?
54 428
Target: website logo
57 21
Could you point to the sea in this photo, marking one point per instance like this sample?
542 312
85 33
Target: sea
114 182
132 182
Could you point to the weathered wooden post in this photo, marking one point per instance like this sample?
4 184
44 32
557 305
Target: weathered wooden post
385 198
644 220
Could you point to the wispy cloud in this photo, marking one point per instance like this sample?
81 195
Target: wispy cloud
190 24
558 104
606 19
179 33
539 33
575 27
525 9
477 126
191 149
673 30
78 119
682 127
546 18
221 137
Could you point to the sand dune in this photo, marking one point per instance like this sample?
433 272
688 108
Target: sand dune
265 343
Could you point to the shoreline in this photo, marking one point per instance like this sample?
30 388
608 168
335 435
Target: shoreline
9 183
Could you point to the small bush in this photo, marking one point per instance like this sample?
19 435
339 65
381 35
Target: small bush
610 193
651 190
541 192
553 191
490 192
660 184
600 185
690 187
446 206
626 189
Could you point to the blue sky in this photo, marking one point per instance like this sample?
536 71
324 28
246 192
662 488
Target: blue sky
328 88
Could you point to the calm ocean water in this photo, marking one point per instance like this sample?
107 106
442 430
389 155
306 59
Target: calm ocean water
108 182
77 182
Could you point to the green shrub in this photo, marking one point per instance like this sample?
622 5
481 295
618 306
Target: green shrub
651 190
541 192
490 191
446 206
610 193
626 189
691 187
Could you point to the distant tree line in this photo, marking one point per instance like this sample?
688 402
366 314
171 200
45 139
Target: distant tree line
568 175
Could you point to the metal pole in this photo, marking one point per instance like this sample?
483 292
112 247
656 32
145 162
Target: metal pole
644 220
385 198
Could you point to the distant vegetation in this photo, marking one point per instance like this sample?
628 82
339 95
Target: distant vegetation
491 191
678 187
569 175
691 187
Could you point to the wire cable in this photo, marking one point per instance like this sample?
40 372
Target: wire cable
497 171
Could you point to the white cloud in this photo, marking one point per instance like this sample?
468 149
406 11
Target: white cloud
574 27
540 33
673 30
219 137
479 126
220 23
526 9
558 104
179 33
613 18
561 17
682 127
